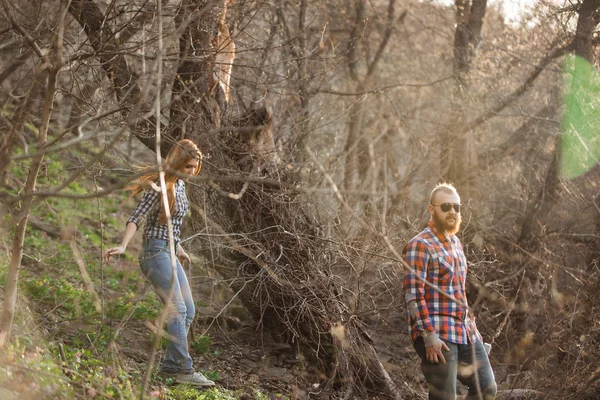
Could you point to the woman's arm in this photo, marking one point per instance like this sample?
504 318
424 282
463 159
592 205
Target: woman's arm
149 200
130 230
182 255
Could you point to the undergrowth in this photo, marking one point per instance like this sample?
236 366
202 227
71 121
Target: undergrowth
66 344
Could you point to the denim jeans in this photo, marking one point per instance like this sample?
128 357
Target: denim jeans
471 368
155 263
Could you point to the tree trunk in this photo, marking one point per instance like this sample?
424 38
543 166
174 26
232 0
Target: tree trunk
278 262
11 290
586 23
192 108
123 79
272 252
458 154
542 204
356 148
351 147
585 48
467 36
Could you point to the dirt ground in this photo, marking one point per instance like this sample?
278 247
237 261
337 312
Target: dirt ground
248 359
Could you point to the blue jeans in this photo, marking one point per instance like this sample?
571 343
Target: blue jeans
471 369
155 263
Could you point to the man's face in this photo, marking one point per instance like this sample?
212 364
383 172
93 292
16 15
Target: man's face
445 221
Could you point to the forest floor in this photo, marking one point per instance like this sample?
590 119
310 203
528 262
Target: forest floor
242 357
69 346
78 337
252 364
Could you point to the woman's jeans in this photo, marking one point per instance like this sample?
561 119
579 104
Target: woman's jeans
468 363
155 263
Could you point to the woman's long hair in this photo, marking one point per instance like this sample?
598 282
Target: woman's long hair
177 158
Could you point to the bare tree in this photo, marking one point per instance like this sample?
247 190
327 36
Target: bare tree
320 120
279 267
459 154
541 205
51 63
357 143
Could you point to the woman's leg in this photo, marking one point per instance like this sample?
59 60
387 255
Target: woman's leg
186 293
155 262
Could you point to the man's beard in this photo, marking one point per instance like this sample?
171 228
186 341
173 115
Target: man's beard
444 226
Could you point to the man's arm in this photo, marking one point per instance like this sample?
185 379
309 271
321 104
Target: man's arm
417 257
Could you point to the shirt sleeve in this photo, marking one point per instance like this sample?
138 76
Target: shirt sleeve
149 200
417 257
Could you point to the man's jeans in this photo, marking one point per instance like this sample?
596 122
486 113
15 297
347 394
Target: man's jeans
471 368
155 263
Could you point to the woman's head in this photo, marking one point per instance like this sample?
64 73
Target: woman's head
184 157
184 160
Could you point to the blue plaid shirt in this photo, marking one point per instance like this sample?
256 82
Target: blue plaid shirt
440 261
150 207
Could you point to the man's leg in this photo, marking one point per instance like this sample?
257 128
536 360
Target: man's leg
475 371
441 378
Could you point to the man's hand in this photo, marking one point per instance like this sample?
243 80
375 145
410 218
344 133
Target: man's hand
434 353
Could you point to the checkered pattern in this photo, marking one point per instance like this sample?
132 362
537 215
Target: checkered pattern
149 207
442 263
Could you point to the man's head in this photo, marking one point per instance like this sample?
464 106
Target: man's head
444 207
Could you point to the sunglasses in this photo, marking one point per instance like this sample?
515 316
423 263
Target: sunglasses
447 206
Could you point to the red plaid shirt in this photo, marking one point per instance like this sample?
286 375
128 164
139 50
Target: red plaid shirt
442 263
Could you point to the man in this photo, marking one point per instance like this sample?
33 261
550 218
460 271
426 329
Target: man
443 330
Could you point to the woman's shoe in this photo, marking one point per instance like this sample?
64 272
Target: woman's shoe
195 379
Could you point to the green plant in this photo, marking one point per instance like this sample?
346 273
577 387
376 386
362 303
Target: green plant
146 308
163 341
185 392
270 396
68 300
212 375
203 344
31 372
94 374
201 303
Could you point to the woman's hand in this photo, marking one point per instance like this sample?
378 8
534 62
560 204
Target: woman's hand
182 256
115 251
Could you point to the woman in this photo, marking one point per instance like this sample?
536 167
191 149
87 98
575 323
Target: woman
184 160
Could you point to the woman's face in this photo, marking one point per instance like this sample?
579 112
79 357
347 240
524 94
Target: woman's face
190 168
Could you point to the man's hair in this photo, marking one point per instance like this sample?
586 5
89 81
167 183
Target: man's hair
442 187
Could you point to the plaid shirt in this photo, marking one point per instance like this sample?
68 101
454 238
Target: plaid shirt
442 263
150 208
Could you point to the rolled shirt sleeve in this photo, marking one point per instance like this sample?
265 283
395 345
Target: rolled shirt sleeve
417 257
149 201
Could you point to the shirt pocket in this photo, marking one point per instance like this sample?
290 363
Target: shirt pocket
445 267
181 208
